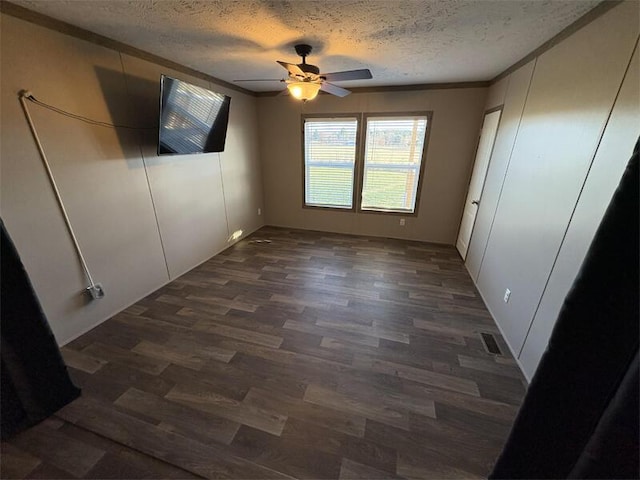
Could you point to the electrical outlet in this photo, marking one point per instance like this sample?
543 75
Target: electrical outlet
507 294
96 291
259 211
402 222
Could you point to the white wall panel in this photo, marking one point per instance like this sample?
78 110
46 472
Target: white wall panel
572 92
514 100
187 189
98 170
611 159
103 180
241 166
497 93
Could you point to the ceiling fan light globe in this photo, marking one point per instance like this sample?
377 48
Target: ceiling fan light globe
304 90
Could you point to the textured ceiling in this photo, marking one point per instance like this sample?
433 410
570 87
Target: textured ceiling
400 41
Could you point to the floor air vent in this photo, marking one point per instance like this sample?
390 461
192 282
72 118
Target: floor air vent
490 344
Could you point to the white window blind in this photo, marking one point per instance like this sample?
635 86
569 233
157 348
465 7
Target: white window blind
329 161
392 160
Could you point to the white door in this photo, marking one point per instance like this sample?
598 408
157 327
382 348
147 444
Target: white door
483 155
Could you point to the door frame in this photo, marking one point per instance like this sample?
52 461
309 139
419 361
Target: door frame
475 153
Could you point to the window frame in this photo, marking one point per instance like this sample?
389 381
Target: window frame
358 173
331 116
423 160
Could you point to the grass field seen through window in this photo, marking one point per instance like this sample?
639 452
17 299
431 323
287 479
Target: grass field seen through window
329 178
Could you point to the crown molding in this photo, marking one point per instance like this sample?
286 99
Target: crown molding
400 88
584 20
65 28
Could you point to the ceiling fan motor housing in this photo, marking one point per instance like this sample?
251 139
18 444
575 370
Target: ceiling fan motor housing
303 50
305 79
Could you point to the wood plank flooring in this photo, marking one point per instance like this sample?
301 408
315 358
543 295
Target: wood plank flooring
314 356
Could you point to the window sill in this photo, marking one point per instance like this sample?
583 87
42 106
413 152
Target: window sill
368 211
330 208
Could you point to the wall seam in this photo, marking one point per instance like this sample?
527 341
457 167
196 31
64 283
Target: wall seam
504 178
583 21
575 206
146 174
66 341
224 198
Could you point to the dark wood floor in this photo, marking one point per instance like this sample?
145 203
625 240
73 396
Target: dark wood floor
313 356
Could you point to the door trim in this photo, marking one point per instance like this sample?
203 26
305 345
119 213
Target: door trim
489 111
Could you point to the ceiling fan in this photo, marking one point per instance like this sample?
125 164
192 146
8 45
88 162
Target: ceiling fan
305 80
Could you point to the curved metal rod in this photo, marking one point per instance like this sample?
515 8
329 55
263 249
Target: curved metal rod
25 95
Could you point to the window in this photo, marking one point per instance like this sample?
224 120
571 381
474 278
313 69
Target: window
329 161
392 160
386 165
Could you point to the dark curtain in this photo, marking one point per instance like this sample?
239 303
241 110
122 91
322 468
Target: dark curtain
34 379
579 418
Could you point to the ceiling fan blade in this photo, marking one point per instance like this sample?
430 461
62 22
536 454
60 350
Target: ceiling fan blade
363 74
261 80
334 89
292 68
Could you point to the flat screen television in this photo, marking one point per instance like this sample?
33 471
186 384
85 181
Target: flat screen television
192 119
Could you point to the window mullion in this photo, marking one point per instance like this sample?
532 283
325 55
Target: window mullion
359 177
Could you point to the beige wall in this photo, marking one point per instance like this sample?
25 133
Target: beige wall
111 180
548 165
190 191
510 93
457 116
606 170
